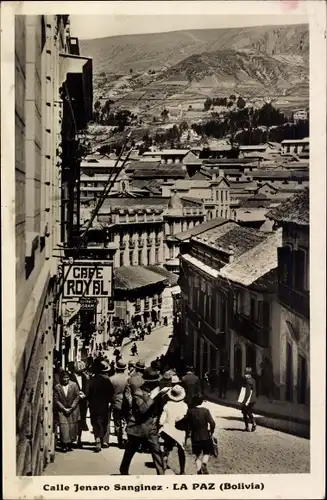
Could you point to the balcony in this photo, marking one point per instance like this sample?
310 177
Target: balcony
298 302
157 242
122 245
131 244
149 241
141 243
250 330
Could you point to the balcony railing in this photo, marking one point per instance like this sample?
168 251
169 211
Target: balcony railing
246 327
122 245
157 242
297 301
141 242
149 241
131 244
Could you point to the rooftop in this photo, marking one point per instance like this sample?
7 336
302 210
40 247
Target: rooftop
200 228
295 210
255 262
171 277
135 203
132 277
136 165
237 240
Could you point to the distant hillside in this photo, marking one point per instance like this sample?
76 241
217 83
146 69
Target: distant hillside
162 50
242 70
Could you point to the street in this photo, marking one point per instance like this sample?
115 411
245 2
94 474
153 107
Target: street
264 451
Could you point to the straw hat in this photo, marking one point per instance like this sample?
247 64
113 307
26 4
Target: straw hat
151 375
176 393
175 379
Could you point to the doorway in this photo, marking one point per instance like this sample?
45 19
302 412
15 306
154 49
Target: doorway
237 364
302 380
289 372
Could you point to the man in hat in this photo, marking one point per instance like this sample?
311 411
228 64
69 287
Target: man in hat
99 396
192 386
78 375
142 429
249 399
119 383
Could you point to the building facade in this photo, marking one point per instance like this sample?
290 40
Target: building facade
39 115
292 375
225 300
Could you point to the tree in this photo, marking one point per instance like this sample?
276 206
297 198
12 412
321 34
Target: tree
207 104
240 103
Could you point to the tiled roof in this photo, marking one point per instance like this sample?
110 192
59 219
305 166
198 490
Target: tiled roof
295 210
145 202
200 228
236 162
140 165
239 239
171 277
161 171
280 174
132 277
187 201
256 261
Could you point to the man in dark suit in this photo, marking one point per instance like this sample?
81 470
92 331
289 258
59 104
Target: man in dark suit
119 383
142 428
192 386
100 396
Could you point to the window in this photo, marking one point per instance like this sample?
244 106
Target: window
217 195
140 257
252 309
148 254
222 196
131 257
171 253
299 258
157 256
121 258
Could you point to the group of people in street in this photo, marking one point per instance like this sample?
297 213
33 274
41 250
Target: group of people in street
152 409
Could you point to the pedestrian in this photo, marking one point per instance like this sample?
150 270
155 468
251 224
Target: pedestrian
135 381
82 380
131 367
192 385
249 400
100 396
165 321
200 426
174 410
223 379
67 412
142 429
149 328
118 382
134 349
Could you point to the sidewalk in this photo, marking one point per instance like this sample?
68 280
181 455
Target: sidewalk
287 417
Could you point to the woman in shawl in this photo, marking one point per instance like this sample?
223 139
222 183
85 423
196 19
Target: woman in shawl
66 399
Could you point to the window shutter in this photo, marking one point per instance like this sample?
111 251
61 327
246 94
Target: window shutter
299 269
285 265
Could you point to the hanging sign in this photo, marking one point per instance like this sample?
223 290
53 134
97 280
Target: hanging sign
88 279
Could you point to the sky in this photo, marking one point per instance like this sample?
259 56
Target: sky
87 27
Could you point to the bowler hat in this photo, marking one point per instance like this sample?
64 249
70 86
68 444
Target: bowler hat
175 379
140 365
151 375
103 366
167 375
176 393
120 365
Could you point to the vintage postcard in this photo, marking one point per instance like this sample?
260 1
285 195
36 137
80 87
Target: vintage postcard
163 169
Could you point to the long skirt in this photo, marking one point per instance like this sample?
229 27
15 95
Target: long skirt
68 431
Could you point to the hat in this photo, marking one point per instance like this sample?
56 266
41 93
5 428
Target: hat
79 366
103 366
176 393
151 375
120 365
131 363
175 379
167 375
140 365
248 370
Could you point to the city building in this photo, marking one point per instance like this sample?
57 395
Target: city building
207 298
292 345
300 115
52 91
295 145
167 155
142 294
